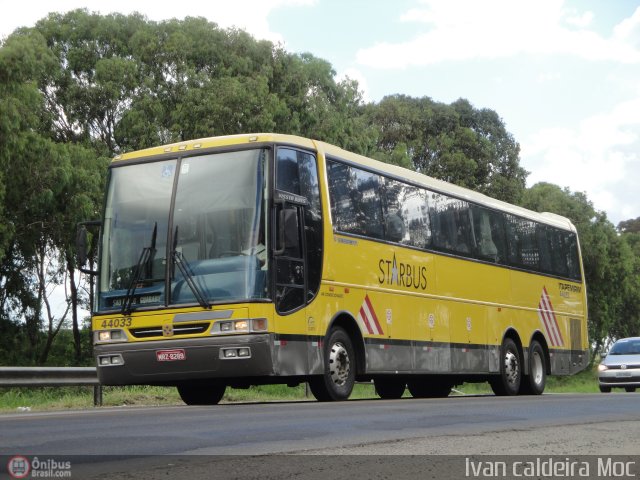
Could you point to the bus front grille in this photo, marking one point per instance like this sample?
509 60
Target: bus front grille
188 329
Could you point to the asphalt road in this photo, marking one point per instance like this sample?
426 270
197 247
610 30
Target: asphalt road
190 442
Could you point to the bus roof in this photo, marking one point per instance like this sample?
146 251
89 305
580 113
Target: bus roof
368 163
213 142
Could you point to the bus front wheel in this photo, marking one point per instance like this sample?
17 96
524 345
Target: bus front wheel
508 382
338 379
201 394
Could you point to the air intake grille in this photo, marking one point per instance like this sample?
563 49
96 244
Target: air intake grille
182 329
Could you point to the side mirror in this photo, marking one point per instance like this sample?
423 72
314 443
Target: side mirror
83 245
288 232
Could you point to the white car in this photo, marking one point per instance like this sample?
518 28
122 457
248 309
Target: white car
621 367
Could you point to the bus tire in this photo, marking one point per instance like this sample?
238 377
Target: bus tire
534 383
507 383
201 394
389 388
339 377
429 388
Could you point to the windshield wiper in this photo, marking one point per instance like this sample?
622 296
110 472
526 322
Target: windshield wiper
187 274
145 261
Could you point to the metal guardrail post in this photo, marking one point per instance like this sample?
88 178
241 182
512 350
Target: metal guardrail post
97 395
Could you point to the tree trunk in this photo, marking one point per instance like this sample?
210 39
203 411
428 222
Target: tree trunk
77 344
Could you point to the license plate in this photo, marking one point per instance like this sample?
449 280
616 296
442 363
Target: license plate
623 374
171 355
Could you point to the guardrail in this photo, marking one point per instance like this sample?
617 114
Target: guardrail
52 377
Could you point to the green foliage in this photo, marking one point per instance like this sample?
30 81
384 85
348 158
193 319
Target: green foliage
630 226
456 143
46 188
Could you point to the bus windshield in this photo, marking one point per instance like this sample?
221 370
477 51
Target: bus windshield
209 246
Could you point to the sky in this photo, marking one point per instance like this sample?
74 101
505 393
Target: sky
564 75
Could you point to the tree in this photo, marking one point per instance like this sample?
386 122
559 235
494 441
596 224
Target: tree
50 186
455 143
629 226
22 150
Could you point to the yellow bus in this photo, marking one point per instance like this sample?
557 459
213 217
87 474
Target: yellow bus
265 258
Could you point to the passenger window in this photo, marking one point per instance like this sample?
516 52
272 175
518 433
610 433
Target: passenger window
488 227
573 264
523 243
356 205
406 217
451 223
544 235
368 204
342 209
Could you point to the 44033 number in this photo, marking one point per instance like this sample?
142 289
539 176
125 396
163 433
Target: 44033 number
116 322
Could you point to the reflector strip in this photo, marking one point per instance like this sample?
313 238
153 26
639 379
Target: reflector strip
368 319
547 316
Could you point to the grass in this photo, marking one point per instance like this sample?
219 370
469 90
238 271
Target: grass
61 398
50 398
583 382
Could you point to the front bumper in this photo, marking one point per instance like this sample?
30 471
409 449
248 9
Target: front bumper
203 359
619 378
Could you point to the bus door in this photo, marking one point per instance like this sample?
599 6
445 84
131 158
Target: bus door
297 240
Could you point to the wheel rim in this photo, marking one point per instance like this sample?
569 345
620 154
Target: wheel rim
339 364
511 367
536 368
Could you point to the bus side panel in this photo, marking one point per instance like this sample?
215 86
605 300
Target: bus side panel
555 308
474 295
431 334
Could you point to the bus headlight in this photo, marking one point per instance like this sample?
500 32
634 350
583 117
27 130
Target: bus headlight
259 324
235 353
245 325
104 336
109 360
242 326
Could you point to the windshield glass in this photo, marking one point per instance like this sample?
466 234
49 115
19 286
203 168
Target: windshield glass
219 227
138 203
215 243
626 347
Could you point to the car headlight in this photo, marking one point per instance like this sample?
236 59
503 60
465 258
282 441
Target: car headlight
602 367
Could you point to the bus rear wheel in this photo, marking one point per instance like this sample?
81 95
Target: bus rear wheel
508 381
534 383
339 377
389 388
201 394
429 388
